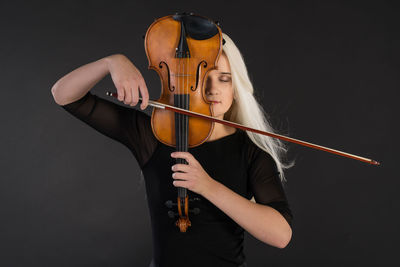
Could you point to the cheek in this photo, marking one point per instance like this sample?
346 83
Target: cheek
228 98
229 94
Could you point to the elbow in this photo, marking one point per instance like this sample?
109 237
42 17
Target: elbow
286 237
54 93
54 88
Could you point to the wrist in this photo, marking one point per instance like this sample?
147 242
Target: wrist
111 58
211 188
107 61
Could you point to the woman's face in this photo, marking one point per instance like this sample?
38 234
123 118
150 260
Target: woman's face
219 87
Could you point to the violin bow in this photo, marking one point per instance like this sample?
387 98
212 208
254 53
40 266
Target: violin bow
237 125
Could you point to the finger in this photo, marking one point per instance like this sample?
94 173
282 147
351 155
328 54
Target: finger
121 93
180 184
135 95
145 95
133 92
183 155
180 167
128 95
179 176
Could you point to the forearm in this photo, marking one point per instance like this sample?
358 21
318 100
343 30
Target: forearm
77 83
261 221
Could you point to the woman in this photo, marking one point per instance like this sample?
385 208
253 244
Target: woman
235 178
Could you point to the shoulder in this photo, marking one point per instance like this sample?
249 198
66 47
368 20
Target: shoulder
253 151
255 156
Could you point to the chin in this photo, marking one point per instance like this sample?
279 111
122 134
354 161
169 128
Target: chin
220 116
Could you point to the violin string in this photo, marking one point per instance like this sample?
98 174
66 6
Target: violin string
185 117
186 96
180 117
188 103
184 105
177 120
178 99
180 103
182 128
177 104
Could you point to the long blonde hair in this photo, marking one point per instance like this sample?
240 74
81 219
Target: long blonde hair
247 111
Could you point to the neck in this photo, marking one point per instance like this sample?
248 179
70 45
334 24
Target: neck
221 130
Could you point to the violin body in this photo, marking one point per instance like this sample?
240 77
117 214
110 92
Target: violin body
182 49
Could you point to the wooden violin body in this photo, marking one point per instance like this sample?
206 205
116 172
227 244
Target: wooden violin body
182 62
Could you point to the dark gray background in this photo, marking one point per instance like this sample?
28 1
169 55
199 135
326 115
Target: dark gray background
326 72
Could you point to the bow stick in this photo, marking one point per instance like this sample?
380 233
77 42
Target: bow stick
237 125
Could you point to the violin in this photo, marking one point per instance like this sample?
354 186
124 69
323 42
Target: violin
182 49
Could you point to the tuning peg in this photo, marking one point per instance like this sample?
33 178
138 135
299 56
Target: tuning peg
172 214
170 204
195 211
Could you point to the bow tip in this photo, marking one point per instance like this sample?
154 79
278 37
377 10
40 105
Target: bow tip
374 162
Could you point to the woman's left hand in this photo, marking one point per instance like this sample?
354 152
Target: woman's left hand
195 178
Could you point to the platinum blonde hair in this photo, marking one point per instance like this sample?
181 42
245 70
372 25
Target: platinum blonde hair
247 111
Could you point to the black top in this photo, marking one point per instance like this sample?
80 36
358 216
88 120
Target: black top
214 239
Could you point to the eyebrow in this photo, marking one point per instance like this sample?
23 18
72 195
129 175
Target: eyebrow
221 72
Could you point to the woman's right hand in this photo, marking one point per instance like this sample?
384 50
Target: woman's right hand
128 80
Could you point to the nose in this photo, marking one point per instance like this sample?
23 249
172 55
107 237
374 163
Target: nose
211 88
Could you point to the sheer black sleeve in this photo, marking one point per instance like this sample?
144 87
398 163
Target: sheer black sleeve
128 126
265 183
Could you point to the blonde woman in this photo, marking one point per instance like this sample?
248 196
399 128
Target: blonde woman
235 178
